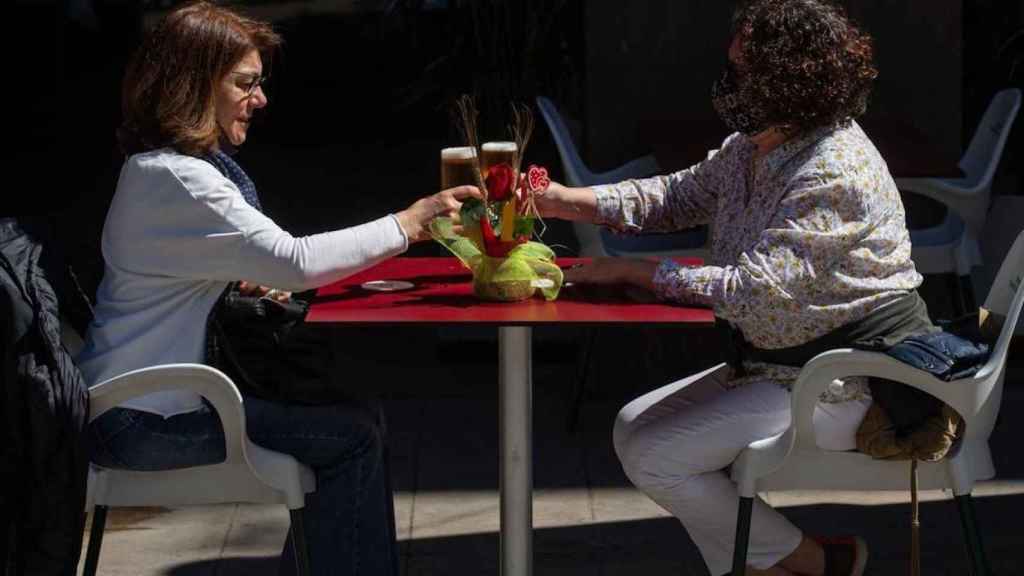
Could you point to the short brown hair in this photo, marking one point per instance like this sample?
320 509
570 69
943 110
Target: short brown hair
168 92
805 62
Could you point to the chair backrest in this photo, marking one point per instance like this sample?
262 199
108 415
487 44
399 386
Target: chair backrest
576 172
1007 294
1006 298
983 154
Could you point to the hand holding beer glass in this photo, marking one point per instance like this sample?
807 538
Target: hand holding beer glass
458 183
459 167
494 153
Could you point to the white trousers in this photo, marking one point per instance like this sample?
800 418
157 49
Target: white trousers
674 443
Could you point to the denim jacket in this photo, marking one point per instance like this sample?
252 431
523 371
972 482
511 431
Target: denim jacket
944 355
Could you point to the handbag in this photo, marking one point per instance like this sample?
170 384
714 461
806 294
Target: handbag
270 352
265 345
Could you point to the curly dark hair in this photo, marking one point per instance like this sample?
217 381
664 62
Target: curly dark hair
804 62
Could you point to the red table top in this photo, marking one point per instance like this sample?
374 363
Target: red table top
443 294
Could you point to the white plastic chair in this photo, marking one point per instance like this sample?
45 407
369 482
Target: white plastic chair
792 460
952 246
595 242
250 473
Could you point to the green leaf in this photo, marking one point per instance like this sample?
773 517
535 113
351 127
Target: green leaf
524 226
461 247
471 211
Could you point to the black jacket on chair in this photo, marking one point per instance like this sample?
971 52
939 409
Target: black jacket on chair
44 408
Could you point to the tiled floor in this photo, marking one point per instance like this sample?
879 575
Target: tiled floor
588 519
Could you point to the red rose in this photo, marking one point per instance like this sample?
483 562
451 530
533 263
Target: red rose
500 180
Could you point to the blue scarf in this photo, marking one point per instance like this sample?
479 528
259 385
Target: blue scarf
228 167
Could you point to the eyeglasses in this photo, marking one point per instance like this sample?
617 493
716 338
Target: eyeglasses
253 81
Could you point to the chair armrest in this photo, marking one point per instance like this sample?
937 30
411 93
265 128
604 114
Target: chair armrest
636 168
935 188
846 362
763 457
203 380
969 204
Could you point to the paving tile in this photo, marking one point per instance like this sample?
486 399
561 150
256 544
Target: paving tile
183 541
563 522
453 513
257 530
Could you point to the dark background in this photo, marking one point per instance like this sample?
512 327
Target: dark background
649 66
361 95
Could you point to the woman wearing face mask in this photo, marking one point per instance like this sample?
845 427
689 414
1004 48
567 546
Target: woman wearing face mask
810 240
185 222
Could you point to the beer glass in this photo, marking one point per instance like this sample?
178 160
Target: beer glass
493 153
458 167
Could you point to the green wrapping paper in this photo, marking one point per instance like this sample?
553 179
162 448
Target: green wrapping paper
528 268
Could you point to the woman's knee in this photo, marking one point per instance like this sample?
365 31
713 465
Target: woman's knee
630 452
620 434
647 460
626 424
660 458
322 436
360 434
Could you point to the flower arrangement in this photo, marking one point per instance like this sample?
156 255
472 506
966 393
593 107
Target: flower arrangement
495 237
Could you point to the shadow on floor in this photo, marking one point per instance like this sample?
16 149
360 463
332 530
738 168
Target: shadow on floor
660 546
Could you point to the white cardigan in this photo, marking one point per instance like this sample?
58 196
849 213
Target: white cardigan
177 233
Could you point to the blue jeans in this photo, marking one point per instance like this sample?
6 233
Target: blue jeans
349 520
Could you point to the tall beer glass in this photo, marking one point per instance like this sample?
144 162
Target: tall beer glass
493 153
458 167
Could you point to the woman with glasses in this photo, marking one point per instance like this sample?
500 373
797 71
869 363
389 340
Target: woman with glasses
810 250
185 222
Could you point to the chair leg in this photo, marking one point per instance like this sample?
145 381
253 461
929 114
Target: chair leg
972 537
739 551
299 543
582 373
92 554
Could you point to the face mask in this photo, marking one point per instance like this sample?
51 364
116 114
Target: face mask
737 113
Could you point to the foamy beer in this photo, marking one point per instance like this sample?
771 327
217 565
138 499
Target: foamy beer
458 167
494 153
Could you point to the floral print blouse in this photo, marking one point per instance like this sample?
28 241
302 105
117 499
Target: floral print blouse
806 238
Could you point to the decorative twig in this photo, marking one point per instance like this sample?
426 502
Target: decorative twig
467 113
521 130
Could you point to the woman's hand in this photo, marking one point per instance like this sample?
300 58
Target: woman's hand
606 271
415 220
247 289
558 201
